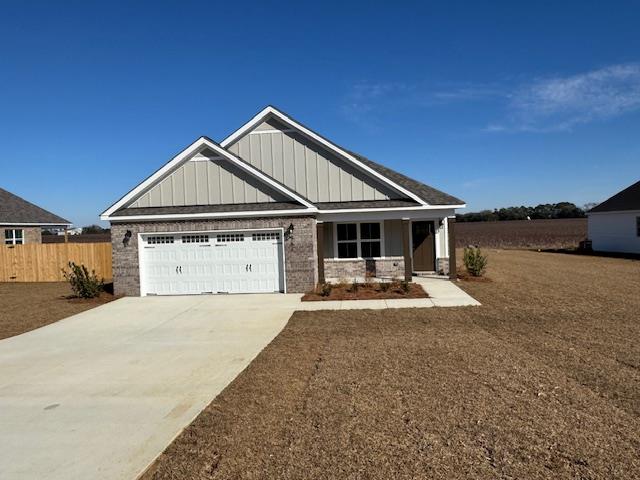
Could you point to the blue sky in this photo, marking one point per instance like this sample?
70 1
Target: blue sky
499 103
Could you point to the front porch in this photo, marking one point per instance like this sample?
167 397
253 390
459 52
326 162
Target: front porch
382 248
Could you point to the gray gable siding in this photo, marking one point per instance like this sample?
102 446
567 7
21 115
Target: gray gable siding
305 167
207 179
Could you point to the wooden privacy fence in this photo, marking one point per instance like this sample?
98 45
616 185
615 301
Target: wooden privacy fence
37 262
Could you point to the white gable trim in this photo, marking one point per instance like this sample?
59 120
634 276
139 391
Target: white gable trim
195 216
322 141
201 143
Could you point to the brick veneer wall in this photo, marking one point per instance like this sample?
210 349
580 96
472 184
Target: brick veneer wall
391 267
299 251
442 265
31 234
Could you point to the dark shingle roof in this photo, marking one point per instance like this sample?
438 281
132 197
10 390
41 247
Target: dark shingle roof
366 204
429 194
627 199
238 207
14 209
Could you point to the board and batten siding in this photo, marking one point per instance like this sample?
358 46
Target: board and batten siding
206 179
305 167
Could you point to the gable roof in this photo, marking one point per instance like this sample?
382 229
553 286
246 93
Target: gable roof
429 194
15 210
627 199
389 177
202 143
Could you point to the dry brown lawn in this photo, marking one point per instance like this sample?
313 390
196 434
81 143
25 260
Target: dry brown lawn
542 381
26 306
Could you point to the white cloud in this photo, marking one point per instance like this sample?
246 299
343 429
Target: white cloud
548 104
561 103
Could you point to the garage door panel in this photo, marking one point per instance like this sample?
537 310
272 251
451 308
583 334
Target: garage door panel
211 262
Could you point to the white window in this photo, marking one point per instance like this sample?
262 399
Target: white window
359 240
13 236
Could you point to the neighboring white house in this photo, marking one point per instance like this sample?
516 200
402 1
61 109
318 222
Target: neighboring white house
614 225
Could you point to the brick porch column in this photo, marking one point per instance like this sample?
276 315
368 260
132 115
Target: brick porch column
452 248
320 248
408 267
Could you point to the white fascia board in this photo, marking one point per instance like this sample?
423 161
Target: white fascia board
202 142
22 224
196 216
393 209
614 212
379 214
322 141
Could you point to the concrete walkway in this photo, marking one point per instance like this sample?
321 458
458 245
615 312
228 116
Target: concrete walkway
99 395
442 293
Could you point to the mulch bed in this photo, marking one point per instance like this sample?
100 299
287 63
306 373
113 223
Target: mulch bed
542 381
27 306
367 291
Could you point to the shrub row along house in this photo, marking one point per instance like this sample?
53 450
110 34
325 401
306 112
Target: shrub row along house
274 207
22 222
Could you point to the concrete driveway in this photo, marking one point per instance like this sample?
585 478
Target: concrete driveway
101 394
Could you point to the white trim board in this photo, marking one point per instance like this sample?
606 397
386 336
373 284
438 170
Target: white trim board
269 110
182 157
196 216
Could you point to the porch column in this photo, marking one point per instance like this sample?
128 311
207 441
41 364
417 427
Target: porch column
320 248
406 231
451 228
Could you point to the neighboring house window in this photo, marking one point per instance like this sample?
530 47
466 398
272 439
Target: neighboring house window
13 237
359 240
638 226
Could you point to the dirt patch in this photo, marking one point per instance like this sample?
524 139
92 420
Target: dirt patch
367 291
27 306
522 234
542 381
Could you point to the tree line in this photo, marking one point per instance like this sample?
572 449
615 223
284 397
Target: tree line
542 211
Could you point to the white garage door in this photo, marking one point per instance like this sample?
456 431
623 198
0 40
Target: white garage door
211 262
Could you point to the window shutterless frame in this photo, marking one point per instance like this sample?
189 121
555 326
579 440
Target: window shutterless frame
13 236
358 240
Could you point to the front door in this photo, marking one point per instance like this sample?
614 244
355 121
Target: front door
424 246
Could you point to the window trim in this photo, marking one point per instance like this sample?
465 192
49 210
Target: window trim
12 240
358 240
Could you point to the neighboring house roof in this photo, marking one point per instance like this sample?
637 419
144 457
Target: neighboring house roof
17 211
627 199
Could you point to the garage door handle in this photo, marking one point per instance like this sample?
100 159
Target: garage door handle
176 270
180 268
249 267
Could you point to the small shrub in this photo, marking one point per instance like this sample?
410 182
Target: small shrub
354 286
474 261
385 286
83 283
404 285
325 289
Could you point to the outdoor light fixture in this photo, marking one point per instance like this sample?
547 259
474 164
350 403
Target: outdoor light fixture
127 237
288 233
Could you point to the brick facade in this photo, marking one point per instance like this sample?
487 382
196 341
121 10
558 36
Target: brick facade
30 234
342 269
299 251
442 265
